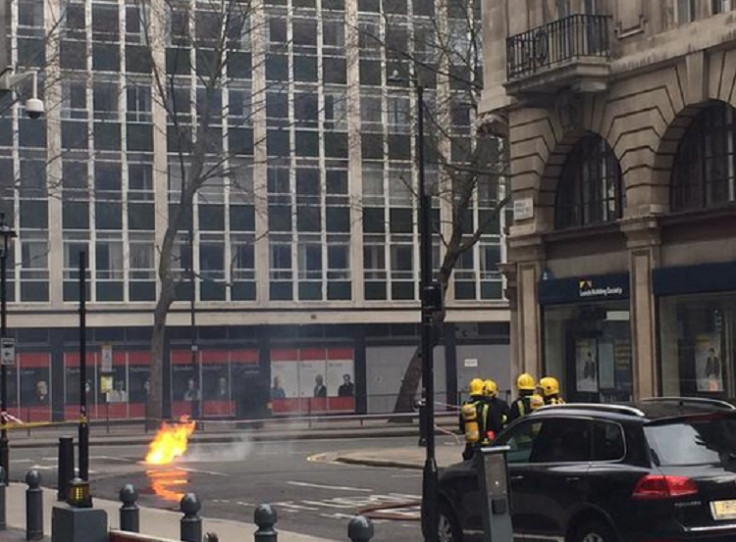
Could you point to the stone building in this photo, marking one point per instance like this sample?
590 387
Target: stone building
622 255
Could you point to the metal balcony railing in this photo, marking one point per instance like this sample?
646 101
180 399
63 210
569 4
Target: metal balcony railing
573 37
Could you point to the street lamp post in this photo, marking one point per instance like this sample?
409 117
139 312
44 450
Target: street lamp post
195 412
430 298
7 234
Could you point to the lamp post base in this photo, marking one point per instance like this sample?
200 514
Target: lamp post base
429 500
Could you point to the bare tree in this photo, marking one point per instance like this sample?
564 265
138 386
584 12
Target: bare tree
468 165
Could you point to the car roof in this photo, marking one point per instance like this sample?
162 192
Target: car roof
651 410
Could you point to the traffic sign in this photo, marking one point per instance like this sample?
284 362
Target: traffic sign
7 351
106 358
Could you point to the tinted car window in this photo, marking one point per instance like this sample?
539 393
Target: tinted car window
562 440
520 440
696 441
608 441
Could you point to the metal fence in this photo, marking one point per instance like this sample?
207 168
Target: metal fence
555 43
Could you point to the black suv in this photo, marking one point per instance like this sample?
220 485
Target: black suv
659 470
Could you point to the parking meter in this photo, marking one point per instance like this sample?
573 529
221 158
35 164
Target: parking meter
493 482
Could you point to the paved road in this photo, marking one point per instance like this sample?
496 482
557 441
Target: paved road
311 497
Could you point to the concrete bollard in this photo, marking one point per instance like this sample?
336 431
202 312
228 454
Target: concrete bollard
3 524
65 467
34 506
191 523
265 518
129 512
360 529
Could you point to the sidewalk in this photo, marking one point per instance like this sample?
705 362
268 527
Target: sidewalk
404 457
154 522
221 432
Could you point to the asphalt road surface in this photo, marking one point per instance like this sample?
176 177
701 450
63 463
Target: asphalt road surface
311 497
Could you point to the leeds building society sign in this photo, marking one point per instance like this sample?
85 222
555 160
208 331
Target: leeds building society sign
587 288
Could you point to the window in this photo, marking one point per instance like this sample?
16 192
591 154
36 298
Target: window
139 103
608 441
709 441
685 11
520 440
590 188
722 6
704 173
562 441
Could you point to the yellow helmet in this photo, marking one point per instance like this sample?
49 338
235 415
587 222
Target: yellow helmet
549 385
535 401
476 386
525 382
490 388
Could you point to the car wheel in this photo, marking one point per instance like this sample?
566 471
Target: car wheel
595 531
448 528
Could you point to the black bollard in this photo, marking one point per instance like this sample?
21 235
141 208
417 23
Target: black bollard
3 525
34 506
265 518
191 523
66 467
360 529
129 513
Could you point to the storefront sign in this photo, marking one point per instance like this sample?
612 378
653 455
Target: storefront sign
589 288
584 289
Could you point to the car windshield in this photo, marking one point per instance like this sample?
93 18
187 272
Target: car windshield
694 441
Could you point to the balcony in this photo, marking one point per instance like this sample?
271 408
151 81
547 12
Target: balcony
572 52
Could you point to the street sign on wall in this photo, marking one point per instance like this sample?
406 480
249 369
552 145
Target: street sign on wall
106 358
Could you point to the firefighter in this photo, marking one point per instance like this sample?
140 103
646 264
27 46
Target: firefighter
551 391
473 415
498 411
522 406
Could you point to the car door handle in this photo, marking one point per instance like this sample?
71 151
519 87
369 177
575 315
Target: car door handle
572 480
517 478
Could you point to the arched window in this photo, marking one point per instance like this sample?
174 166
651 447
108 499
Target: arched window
704 172
589 190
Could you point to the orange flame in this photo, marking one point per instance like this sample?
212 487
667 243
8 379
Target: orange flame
170 442
165 483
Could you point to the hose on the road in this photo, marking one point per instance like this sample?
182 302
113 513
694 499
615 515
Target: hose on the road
377 511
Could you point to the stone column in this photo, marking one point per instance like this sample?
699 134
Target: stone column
643 243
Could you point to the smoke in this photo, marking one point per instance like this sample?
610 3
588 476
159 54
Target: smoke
237 450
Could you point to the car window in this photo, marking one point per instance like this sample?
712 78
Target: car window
695 441
608 441
562 440
520 440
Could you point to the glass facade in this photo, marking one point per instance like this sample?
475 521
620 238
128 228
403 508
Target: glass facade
336 135
588 347
698 345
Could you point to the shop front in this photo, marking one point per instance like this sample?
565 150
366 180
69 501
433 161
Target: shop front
587 336
697 329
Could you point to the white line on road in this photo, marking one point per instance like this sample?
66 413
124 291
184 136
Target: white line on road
198 471
110 458
290 506
322 486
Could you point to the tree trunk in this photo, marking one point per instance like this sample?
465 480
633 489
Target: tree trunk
154 400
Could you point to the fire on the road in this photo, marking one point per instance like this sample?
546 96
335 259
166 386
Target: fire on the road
170 442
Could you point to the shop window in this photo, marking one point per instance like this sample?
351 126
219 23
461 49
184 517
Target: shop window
704 173
590 189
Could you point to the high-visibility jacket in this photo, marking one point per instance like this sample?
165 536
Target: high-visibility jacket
520 407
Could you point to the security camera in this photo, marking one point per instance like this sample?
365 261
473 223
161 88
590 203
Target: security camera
34 108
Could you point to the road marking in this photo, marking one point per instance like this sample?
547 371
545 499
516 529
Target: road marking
110 458
290 506
198 471
323 486
22 460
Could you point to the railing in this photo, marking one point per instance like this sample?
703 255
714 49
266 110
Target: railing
557 42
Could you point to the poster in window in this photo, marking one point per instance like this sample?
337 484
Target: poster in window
119 392
34 386
708 364
184 386
138 383
284 379
312 381
71 387
586 365
340 380
216 381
